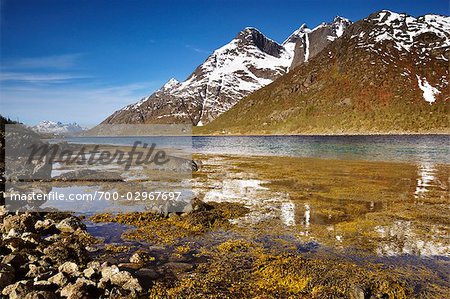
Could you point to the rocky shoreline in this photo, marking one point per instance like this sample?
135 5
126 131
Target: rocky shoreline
48 256
52 255
192 255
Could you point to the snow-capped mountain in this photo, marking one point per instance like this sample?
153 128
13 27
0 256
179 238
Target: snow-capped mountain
51 127
421 43
244 65
386 73
306 43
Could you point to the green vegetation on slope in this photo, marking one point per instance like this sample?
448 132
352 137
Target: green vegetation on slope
344 90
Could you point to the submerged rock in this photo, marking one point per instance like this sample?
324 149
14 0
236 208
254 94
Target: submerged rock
141 257
178 267
147 274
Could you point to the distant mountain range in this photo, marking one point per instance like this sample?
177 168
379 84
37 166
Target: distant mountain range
58 128
244 65
385 73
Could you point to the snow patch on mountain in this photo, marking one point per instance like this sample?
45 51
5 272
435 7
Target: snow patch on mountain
429 91
170 84
306 47
407 32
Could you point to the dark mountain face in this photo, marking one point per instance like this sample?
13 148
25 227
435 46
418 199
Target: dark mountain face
386 73
252 36
244 65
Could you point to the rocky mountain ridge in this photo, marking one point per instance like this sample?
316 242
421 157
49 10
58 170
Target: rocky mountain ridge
244 65
386 73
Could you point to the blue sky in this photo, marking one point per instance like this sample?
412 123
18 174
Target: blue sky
81 60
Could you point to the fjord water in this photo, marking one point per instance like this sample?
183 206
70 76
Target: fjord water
398 148
395 148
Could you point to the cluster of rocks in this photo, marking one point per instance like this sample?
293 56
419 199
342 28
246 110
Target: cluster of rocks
48 256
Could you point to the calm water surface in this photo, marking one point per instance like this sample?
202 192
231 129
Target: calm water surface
399 148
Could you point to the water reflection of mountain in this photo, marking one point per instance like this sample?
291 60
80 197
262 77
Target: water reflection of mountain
426 176
402 237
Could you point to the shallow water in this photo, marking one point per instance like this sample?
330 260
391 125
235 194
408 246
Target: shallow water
386 209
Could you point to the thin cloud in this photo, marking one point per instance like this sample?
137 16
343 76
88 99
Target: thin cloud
39 77
198 50
63 61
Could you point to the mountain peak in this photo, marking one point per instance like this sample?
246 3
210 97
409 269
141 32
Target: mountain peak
169 84
302 29
296 34
248 62
303 26
250 36
250 28
387 16
339 24
341 20
248 32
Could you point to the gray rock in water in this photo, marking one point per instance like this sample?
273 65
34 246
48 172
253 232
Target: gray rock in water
140 257
70 225
90 175
178 267
147 274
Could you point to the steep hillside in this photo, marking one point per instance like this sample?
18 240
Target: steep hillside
244 65
386 73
